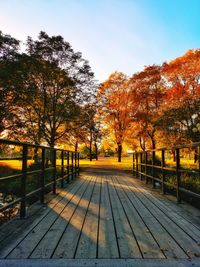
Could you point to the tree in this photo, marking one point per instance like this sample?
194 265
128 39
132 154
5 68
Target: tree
45 98
50 85
148 93
56 50
116 104
9 48
89 125
181 111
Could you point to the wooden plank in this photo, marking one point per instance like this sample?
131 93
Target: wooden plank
192 230
166 242
146 242
127 243
186 211
190 247
8 244
87 246
107 242
46 247
18 228
100 263
26 246
9 227
17 225
70 238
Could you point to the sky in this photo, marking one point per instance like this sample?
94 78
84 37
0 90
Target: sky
114 35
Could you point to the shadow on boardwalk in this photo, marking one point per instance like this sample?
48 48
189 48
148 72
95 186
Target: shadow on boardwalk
105 218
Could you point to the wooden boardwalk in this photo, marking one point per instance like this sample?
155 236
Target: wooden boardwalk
105 215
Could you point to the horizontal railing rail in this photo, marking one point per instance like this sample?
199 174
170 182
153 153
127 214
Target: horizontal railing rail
175 168
50 165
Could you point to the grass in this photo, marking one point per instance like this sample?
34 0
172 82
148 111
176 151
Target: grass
125 165
185 163
14 164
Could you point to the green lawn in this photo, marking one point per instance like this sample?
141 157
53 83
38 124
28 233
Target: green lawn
126 163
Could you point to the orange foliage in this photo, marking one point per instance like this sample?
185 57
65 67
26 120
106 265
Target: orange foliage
183 76
148 92
117 104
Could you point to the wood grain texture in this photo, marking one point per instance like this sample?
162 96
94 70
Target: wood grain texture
104 216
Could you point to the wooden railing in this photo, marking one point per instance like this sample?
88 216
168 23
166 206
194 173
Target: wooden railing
42 170
175 169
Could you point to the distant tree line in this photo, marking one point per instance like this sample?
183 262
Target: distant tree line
48 94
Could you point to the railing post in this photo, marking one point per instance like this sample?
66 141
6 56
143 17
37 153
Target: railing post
75 158
67 166
23 182
178 195
78 163
199 158
136 164
54 171
153 170
163 171
62 168
72 154
42 177
145 160
133 166
141 166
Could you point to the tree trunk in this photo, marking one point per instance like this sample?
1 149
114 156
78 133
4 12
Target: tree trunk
195 155
52 144
174 155
152 137
90 146
52 140
119 152
96 150
142 144
76 146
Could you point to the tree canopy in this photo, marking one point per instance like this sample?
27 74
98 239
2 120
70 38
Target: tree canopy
48 94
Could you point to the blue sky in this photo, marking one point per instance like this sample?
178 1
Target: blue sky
114 35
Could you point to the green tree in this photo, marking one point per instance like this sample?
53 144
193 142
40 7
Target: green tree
9 48
50 83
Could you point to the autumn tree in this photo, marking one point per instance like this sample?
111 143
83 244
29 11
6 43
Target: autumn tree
182 103
148 93
116 104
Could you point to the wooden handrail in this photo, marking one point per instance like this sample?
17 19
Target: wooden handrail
42 171
144 169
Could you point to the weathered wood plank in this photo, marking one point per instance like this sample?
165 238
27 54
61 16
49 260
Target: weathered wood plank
100 263
17 225
192 230
48 243
128 246
69 241
186 211
108 220
166 242
87 246
190 247
107 242
27 245
146 242
11 242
